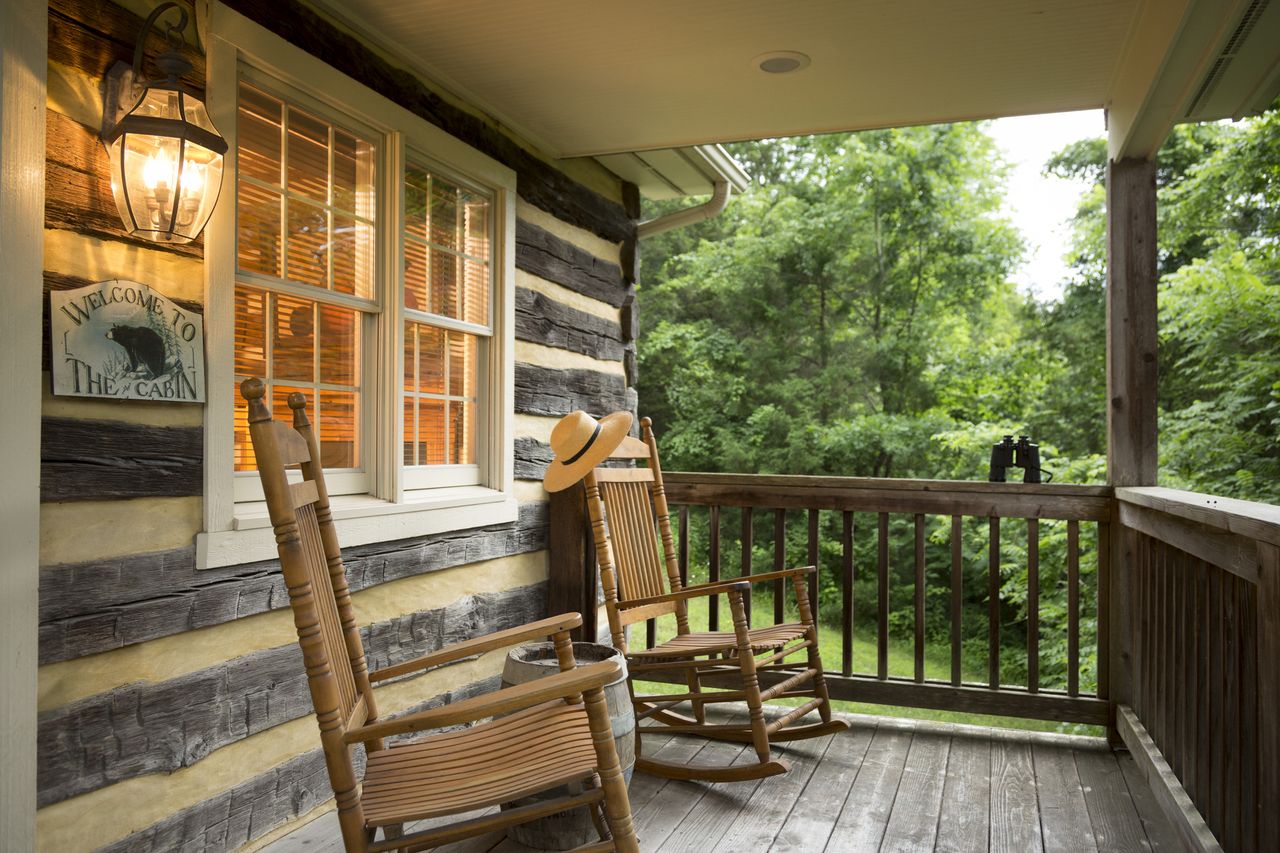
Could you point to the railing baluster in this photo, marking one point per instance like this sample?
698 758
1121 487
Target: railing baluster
1073 608
682 556
1190 679
1248 745
1103 610
1033 605
882 598
1231 703
713 570
816 580
957 597
1213 814
919 618
846 590
993 604
746 556
779 563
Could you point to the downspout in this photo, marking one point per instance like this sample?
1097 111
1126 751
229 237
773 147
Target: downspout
688 216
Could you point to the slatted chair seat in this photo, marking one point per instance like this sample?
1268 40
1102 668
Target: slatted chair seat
716 642
420 780
532 737
641 579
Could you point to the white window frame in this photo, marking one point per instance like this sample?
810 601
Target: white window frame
240 532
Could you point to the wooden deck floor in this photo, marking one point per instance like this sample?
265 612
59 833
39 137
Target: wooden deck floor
886 784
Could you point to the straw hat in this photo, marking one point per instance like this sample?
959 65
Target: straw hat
580 442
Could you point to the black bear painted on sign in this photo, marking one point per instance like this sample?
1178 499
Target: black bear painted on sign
144 346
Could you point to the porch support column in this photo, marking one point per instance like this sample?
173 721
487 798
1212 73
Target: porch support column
1131 323
1131 381
23 50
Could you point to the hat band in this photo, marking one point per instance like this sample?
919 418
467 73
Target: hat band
590 441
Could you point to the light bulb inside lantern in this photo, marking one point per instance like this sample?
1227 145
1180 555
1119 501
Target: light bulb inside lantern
192 179
159 171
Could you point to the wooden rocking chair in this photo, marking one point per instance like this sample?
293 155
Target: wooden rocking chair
623 503
548 732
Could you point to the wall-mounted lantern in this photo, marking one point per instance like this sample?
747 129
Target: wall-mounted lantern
166 155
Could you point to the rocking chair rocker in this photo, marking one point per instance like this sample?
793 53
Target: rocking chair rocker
550 732
623 503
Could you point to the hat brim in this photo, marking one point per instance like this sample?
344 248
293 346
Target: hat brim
613 428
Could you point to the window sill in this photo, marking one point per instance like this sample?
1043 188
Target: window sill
360 520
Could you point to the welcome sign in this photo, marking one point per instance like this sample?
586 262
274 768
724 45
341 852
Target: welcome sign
126 341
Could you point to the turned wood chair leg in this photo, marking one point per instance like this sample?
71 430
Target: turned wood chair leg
750 682
617 806
814 657
695 686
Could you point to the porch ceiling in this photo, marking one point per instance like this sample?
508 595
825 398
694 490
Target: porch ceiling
584 77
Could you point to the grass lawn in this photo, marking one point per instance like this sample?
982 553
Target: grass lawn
901 663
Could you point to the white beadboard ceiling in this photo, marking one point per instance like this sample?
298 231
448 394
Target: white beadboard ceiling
599 77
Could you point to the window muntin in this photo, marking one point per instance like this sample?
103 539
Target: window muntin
305 291
448 329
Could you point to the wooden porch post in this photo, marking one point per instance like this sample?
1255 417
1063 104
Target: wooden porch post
572 586
1131 380
23 48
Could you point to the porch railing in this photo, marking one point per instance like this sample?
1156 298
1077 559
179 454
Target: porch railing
1183 591
901 515
1204 641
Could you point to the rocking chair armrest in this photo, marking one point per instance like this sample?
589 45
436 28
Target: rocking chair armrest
562 685
717 587
701 590
469 648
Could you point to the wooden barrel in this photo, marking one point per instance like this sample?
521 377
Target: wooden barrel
573 828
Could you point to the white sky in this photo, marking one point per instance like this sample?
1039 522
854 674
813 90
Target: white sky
1042 206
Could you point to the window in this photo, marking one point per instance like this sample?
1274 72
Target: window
306 210
367 263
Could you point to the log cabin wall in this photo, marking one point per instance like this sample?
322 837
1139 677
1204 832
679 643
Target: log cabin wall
174 711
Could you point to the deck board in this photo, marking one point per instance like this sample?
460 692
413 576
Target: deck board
885 784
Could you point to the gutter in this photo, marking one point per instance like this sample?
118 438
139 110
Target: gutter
688 216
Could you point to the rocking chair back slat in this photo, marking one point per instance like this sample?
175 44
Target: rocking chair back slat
631 523
330 623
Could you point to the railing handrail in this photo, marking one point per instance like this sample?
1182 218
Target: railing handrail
941 497
1246 518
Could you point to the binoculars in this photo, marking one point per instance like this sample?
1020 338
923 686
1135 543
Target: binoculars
1022 454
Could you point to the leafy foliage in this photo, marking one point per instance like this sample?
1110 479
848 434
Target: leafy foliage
851 314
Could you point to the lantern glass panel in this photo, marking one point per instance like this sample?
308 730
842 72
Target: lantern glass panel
165 184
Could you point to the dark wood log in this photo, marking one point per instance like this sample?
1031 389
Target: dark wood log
631 199
545 255
542 320
146 728
1131 323
538 182
630 365
78 187
95 606
555 393
93 35
629 318
532 458
248 811
104 460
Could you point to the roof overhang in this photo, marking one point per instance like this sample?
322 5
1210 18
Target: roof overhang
614 80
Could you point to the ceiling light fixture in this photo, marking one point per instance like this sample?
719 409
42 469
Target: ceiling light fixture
781 61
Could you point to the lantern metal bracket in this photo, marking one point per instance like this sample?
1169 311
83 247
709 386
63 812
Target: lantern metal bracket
125 83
